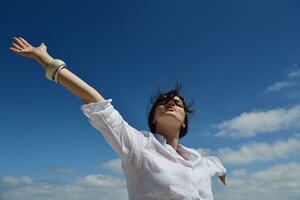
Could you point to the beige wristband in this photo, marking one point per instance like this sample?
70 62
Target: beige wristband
53 67
57 72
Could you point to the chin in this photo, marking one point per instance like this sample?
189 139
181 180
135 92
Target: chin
168 120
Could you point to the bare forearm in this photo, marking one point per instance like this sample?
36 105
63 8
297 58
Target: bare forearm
78 87
72 82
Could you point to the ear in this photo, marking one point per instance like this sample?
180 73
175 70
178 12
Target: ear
183 125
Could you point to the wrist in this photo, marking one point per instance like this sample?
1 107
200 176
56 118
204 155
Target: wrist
43 58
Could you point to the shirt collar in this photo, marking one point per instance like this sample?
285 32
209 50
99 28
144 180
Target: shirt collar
160 138
188 153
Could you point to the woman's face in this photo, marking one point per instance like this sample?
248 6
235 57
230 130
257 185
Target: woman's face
170 111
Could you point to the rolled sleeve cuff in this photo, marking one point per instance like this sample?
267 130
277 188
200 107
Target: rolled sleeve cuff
94 107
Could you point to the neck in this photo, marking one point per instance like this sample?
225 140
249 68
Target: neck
171 135
173 142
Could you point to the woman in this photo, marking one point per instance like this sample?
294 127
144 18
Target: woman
155 165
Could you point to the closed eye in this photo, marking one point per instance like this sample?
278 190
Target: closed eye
178 103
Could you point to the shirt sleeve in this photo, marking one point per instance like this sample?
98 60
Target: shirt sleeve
123 138
215 166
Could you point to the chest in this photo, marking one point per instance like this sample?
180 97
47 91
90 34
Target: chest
168 171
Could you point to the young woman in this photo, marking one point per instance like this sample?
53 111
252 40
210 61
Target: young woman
155 165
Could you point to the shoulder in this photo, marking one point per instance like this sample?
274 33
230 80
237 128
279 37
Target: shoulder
215 165
146 133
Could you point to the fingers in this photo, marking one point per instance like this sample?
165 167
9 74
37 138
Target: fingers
20 42
16 46
25 42
14 50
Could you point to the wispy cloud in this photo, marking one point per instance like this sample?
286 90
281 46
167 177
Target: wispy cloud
279 86
60 170
99 181
57 170
258 122
257 151
290 81
89 188
13 181
294 73
113 165
276 183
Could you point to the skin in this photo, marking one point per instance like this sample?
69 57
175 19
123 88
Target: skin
169 119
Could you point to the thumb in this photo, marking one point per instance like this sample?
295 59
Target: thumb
43 46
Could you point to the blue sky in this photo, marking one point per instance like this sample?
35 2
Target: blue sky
239 61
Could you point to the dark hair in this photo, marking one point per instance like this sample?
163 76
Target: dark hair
172 93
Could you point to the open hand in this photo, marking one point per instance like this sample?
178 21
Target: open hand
22 47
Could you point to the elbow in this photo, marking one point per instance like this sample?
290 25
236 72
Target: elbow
92 99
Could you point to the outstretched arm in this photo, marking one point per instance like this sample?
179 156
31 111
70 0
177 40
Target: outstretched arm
65 77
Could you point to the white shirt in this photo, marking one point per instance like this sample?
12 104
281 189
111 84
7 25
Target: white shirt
153 169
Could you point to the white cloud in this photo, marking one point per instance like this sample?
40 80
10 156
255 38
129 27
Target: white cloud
9 180
258 122
239 173
295 73
279 86
288 83
113 165
254 152
101 181
60 170
88 188
276 183
206 151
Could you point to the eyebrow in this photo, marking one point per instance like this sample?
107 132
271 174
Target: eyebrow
176 98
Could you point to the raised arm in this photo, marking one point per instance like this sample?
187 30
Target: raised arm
65 77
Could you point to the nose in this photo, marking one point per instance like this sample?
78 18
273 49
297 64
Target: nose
170 103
